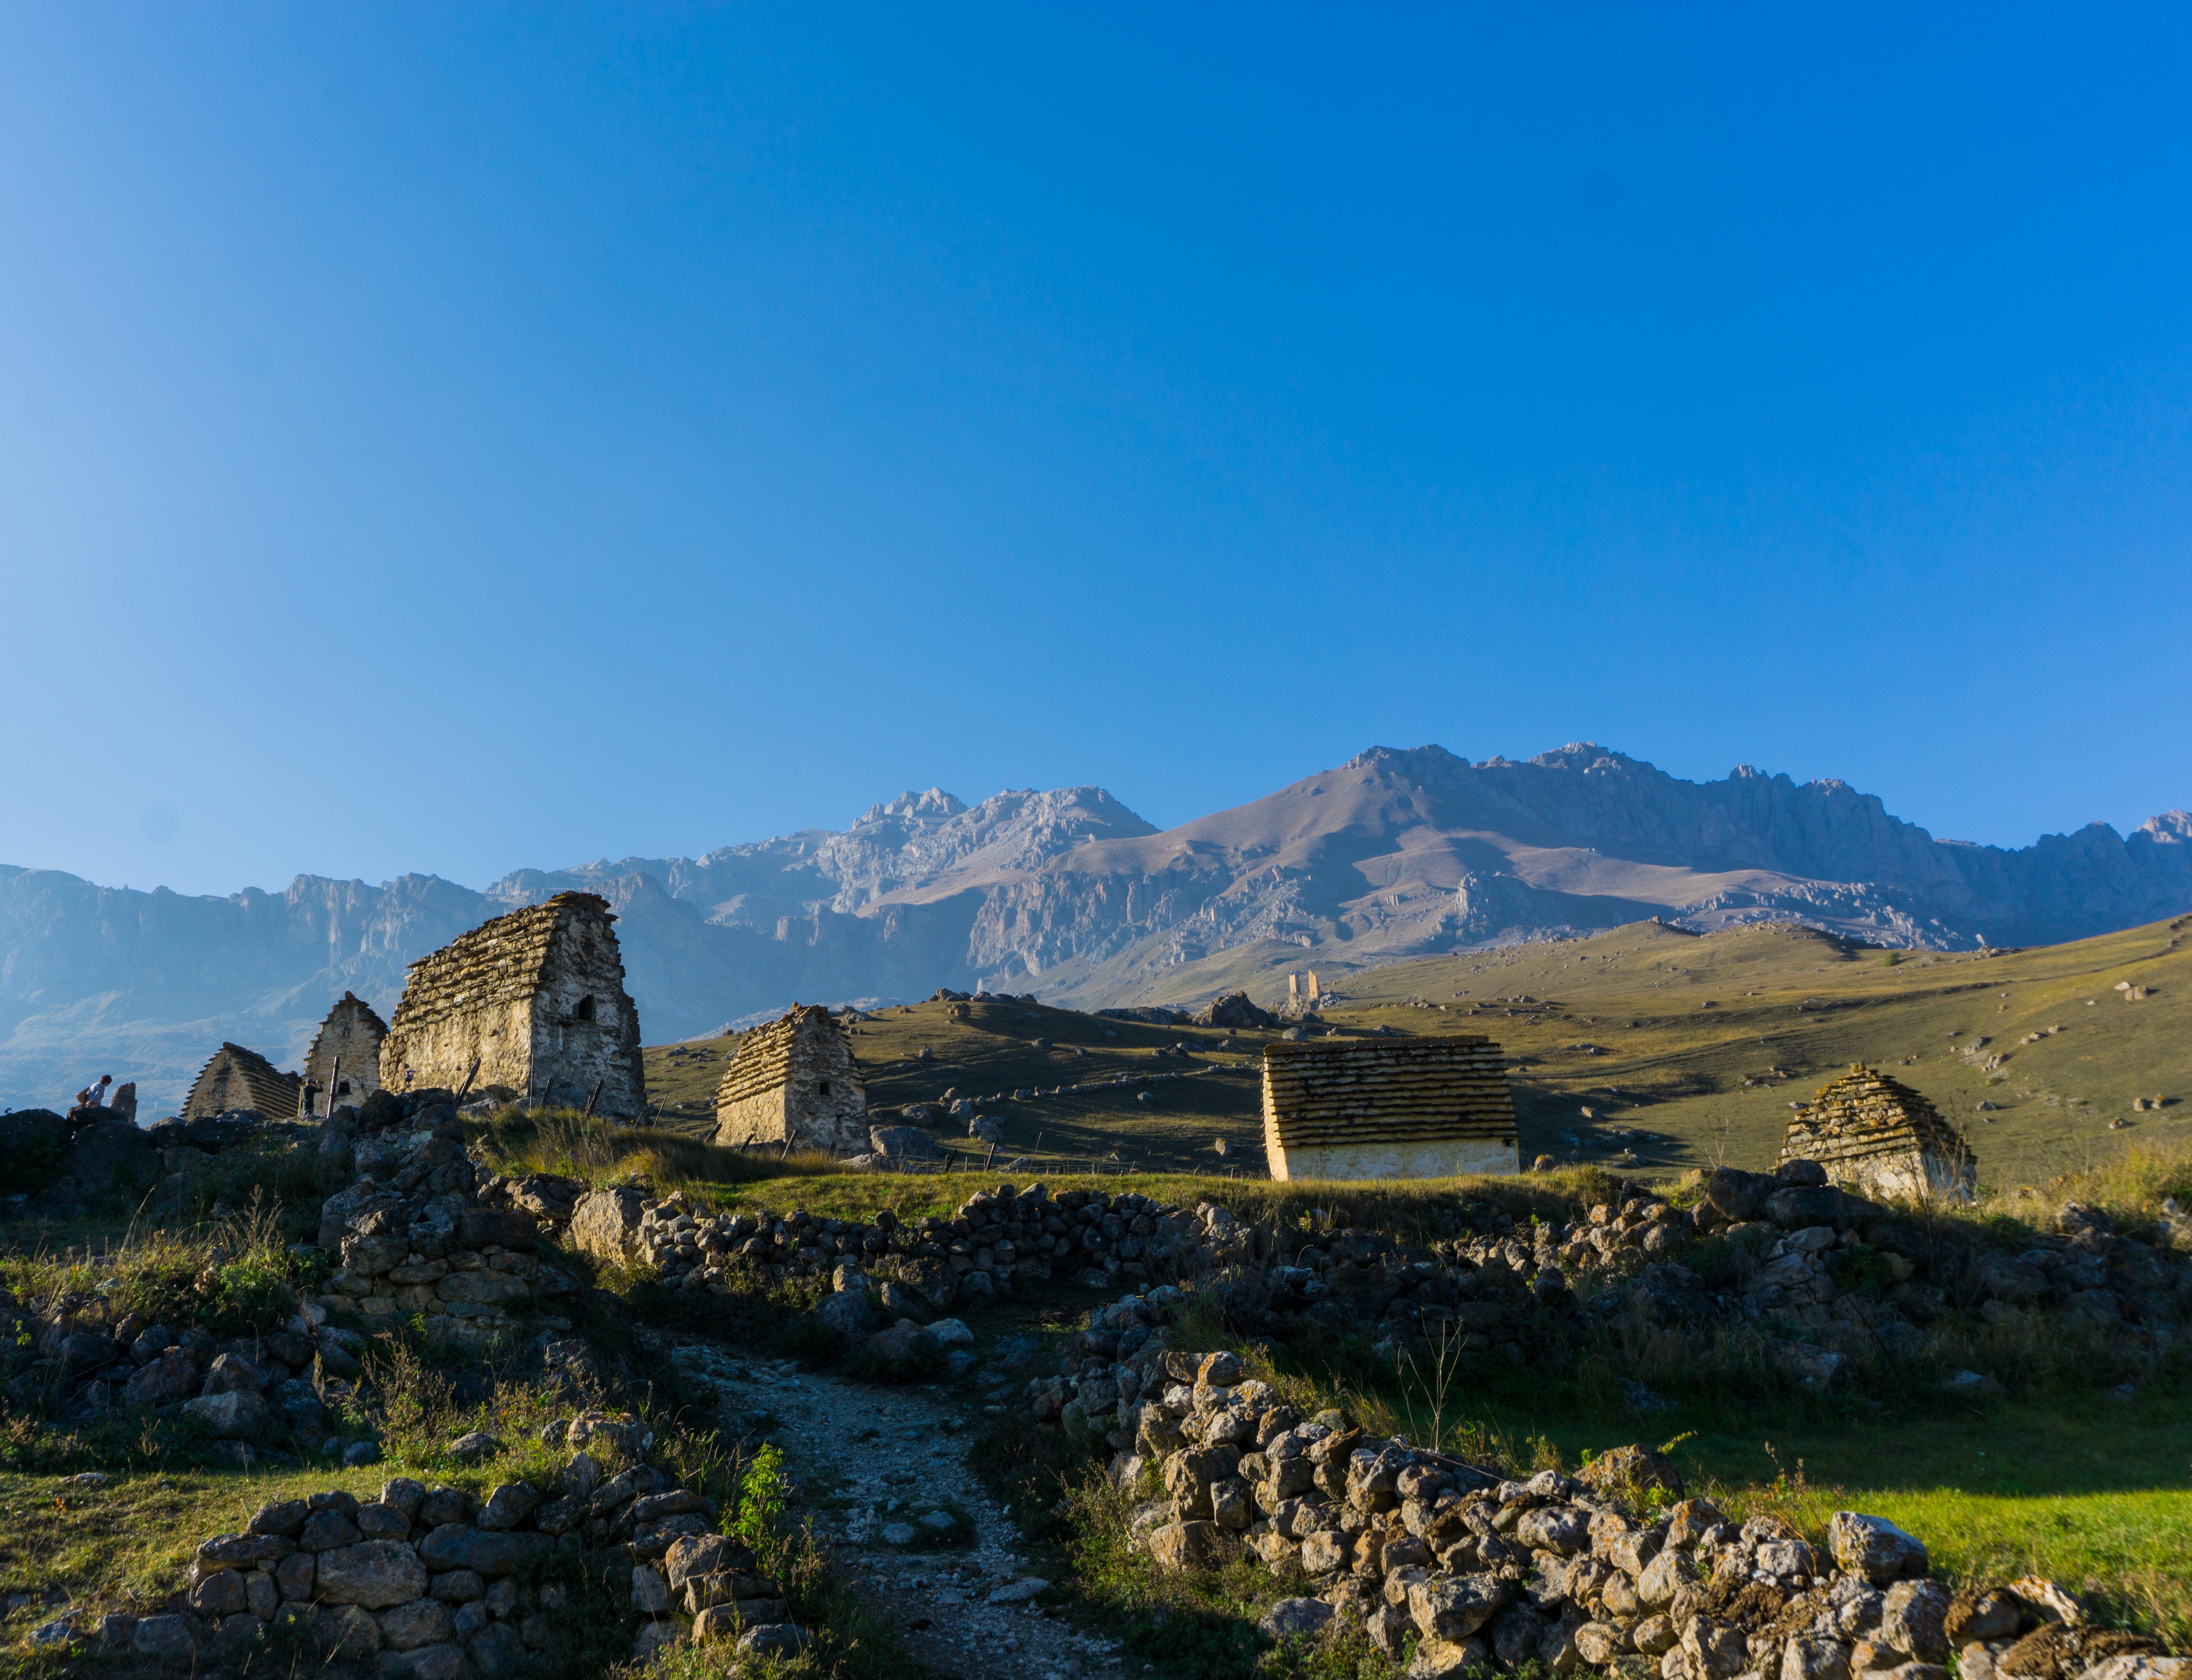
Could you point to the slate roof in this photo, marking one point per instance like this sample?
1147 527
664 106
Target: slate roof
1864 1112
251 1081
1323 1092
763 1060
503 960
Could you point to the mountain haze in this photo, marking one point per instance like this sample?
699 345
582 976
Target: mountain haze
1070 894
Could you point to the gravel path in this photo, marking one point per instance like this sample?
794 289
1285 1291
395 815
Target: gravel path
962 1609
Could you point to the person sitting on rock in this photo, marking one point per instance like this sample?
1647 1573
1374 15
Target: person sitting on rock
94 1095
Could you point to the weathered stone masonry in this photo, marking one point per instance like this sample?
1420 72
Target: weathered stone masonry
1877 1137
345 1054
536 1000
794 1080
235 1080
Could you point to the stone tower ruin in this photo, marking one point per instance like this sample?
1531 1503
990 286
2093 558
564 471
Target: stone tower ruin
235 1080
344 1065
530 1004
1876 1137
795 1082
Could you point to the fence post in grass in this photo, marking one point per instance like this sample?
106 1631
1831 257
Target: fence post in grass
990 1156
594 1099
471 1075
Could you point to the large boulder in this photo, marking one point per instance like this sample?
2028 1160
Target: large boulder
902 1143
605 1224
378 1574
1233 1010
1737 1196
32 1143
237 1415
1874 1548
455 1545
110 1154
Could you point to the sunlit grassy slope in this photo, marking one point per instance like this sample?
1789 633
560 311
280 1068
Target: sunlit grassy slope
1701 1044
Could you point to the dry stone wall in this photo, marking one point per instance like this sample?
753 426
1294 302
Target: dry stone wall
412 1236
1460 1569
434 1583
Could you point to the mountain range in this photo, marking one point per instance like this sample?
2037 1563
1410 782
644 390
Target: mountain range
1069 894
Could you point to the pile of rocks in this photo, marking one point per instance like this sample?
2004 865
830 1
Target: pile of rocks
411 1234
249 1389
925 1266
431 1584
1431 1555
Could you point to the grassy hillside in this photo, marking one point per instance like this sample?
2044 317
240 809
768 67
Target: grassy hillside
995 1053
1685 1049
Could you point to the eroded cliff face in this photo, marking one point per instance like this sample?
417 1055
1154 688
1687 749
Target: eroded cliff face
1395 853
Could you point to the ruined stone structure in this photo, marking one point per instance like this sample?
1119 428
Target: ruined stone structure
237 1079
1355 1108
1878 1138
344 1066
531 1004
1302 990
794 1081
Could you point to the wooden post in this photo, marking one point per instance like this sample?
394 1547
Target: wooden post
462 1090
990 1156
595 1098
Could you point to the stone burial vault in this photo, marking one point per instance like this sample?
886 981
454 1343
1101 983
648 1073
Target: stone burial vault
1882 1140
794 1082
343 1064
235 1080
1384 1108
530 1004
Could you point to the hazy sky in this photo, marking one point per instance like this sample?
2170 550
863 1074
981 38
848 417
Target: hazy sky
451 439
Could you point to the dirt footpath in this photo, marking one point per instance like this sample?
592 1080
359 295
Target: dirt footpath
885 1476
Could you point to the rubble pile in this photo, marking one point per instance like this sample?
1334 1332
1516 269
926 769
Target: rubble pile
1458 1568
411 1235
293 1381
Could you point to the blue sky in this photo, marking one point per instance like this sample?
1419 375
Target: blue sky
458 438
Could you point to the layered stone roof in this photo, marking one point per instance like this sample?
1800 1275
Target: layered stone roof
532 1003
1331 1092
1875 1135
794 1080
503 960
235 1078
769 1055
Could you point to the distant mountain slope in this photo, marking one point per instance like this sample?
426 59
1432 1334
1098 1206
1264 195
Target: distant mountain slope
1068 892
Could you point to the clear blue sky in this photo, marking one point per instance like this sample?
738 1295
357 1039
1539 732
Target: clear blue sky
453 438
